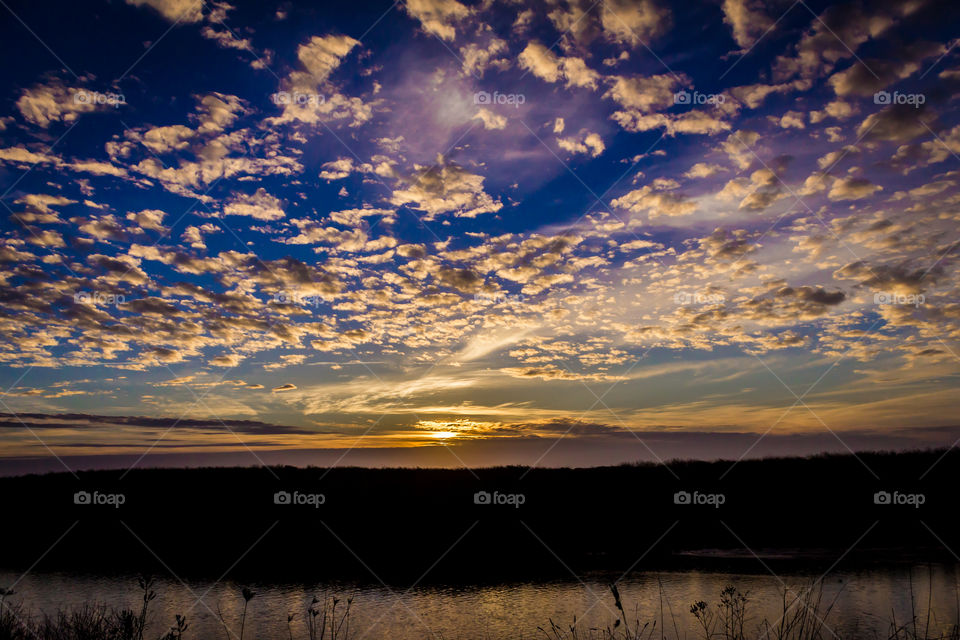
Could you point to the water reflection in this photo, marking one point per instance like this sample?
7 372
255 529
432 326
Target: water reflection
860 603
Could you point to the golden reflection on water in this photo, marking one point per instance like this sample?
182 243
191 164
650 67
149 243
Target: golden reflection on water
863 603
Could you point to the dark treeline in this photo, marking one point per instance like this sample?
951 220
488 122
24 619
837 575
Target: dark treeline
396 523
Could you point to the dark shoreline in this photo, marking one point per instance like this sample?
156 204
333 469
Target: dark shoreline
396 523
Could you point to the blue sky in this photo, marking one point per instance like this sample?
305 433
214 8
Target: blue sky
483 227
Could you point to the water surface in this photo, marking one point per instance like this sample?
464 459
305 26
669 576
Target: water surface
864 601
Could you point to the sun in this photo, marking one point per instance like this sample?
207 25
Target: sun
442 430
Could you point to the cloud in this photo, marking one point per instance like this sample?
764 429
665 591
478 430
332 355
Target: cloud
851 188
160 356
703 170
84 422
477 59
645 94
354 217
836 34
217 111
589 144
747 19
490 120
312 232
463 280
762 189
337 169
634 22
322 54
97 168
656 203
546 65
103 228
183 11
900 278
40 207
444 188
193 236
307 95
831 159
165 139
438 17
624 22
898 123
24 155
148 219
46 238
229 360
739 145
754 95
873 75
910 156
226 39
695 122
44 104
835 109
792 120
260 205
552 372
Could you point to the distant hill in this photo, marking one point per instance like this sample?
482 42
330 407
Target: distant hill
495 522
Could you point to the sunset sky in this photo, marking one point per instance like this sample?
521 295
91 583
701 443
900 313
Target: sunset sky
548 232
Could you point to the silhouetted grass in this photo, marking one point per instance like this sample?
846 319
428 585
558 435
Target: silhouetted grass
803 616
90 622
321 618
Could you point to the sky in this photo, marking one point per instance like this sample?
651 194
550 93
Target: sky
441 232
